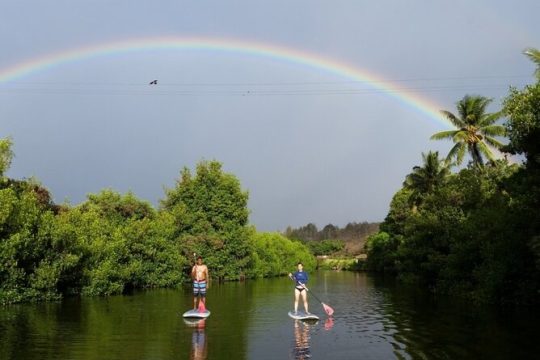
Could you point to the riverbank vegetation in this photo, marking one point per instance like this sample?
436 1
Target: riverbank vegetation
112 243
474 232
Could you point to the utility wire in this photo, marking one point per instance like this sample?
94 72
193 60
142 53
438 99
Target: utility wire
249 91
283 83
305 88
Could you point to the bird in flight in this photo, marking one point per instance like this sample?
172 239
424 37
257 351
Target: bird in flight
153 82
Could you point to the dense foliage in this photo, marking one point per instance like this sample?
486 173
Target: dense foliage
112 243
474 233
211 216
276 254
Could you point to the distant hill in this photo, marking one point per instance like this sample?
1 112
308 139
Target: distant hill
353 235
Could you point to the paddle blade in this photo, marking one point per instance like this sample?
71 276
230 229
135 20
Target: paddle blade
328 309
202 308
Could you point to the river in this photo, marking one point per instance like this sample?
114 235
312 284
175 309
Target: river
373 319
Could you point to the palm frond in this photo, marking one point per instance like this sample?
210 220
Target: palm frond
534 55
472 112
462 107
457 122
455 153
461 154
493 130
489 119
423 179
472 108
483 149
461 136
493 142
444 135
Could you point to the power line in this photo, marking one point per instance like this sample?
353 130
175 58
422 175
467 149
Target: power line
282 83
417 85
250 91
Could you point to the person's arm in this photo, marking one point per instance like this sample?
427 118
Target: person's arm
207 276
193 273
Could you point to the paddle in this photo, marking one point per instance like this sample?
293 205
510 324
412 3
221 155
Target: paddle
326 308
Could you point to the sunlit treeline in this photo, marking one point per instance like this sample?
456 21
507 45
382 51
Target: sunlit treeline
114 242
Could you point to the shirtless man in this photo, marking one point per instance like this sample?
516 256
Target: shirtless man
199 274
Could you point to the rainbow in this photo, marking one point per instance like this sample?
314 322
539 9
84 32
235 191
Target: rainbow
280 53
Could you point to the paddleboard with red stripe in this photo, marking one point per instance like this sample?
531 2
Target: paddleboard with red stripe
195 313
301 315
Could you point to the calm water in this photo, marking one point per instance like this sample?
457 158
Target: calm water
373 320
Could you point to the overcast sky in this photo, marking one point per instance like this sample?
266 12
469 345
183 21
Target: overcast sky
308 145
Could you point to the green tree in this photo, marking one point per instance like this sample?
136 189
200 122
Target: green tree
117 207
399 212
476 130
382 252
424 179
326 247
329 232
211 216
276 255
6 155
522 108
33 262
210 201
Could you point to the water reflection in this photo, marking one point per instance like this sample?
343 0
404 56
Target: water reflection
374 318
329 323
301 348
427 327
199 344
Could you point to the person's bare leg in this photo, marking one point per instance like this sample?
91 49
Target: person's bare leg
296 296
304 297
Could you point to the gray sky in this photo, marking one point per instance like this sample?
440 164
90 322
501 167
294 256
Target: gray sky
310 146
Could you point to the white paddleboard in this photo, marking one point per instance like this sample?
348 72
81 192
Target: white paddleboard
301 315
196 314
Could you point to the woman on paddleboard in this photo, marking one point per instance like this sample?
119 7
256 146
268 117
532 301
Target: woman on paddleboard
300 278
199 274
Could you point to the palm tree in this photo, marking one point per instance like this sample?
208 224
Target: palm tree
534 55
424 179
475 130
